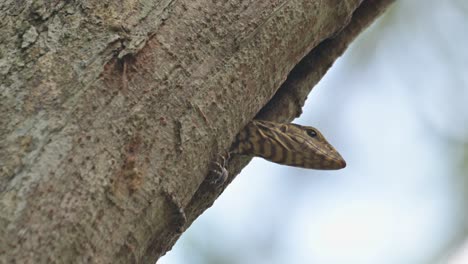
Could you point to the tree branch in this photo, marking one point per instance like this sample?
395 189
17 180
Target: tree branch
112 113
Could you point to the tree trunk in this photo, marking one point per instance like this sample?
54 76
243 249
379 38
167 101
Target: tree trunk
112 112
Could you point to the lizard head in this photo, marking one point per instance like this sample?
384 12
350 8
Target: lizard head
288 144
313 150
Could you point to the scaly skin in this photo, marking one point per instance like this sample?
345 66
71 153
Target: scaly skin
288 144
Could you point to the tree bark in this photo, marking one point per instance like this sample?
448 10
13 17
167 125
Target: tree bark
112 112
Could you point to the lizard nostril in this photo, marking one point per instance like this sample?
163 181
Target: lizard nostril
342 163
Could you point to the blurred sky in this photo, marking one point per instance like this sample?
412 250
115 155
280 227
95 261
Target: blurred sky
396 107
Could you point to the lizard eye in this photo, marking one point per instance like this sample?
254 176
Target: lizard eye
311 133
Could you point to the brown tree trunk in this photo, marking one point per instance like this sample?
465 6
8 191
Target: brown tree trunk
112 112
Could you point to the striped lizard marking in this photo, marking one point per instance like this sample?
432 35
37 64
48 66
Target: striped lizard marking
288 144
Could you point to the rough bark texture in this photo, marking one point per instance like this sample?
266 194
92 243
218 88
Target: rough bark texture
112 112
